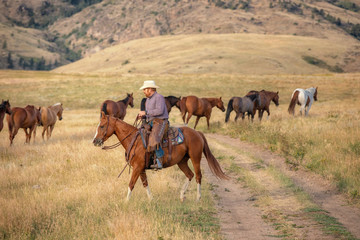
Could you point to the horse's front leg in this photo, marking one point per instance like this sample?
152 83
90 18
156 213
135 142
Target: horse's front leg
145 184
134 177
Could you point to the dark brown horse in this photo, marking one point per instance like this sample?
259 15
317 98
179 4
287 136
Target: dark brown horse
193 146
4 108
266 97
26 118
48 118
200 107
170 101
117 109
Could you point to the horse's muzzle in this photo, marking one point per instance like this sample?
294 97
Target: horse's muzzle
98 142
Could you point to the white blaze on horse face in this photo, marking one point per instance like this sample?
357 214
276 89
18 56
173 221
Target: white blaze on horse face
96 133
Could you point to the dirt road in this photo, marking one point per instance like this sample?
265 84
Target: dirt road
267 199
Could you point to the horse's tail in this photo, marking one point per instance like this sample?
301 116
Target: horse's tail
229 109
212 162
293 101
182 105
103 109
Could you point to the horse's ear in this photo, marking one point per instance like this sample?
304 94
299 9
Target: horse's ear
220 98
102 114
277 92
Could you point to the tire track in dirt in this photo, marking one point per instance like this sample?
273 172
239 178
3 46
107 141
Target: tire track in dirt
240 219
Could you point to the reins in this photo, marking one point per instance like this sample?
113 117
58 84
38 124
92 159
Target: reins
136 124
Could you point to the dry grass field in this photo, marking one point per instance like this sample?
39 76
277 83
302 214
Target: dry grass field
67 188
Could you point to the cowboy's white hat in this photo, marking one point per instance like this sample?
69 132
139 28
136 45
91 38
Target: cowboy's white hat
149 84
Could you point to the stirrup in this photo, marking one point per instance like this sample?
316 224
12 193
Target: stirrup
157 165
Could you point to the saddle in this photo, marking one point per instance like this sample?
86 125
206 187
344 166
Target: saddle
172 137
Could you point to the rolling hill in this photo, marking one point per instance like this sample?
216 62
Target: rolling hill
103 24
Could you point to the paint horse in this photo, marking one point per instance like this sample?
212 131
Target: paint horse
49 116
199 107
243 105
170 101
4 108
192 148
26 118
117 109
304 98
266 97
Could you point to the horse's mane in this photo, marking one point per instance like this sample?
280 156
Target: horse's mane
252 96
104 109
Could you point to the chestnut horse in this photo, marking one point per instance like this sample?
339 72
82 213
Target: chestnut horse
117 109
200 107
242 105
266 98
26 118
193 146
302 97
48 118
170 101
4 108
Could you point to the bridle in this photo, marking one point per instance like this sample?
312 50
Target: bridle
120 141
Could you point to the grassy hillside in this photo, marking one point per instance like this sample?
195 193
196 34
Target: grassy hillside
76 29
212 53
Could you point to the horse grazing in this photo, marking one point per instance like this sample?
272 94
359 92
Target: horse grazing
242 105
266 97
170 101
193 146
48 118
199 107
117 109
4 108
304 98
26 118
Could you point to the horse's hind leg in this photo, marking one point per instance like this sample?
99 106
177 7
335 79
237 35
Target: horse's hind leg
145 184
196 122
27 140
189 175
51 130
43 133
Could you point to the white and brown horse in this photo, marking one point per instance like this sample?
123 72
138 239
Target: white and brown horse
304 98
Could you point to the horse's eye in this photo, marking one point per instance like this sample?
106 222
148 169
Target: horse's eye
101 127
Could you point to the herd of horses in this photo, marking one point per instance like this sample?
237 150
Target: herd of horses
194 144
28 118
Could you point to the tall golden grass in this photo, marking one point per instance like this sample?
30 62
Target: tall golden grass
67 188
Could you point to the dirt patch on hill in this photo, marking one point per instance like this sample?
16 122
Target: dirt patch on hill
244 214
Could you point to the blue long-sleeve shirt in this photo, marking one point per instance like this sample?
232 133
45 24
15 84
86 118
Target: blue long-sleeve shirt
155 107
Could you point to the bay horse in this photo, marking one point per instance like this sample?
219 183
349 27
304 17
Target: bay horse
242 105
170 101
193 146
4 108
266 98
26 118
304 98
117 109
199 107
49 116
